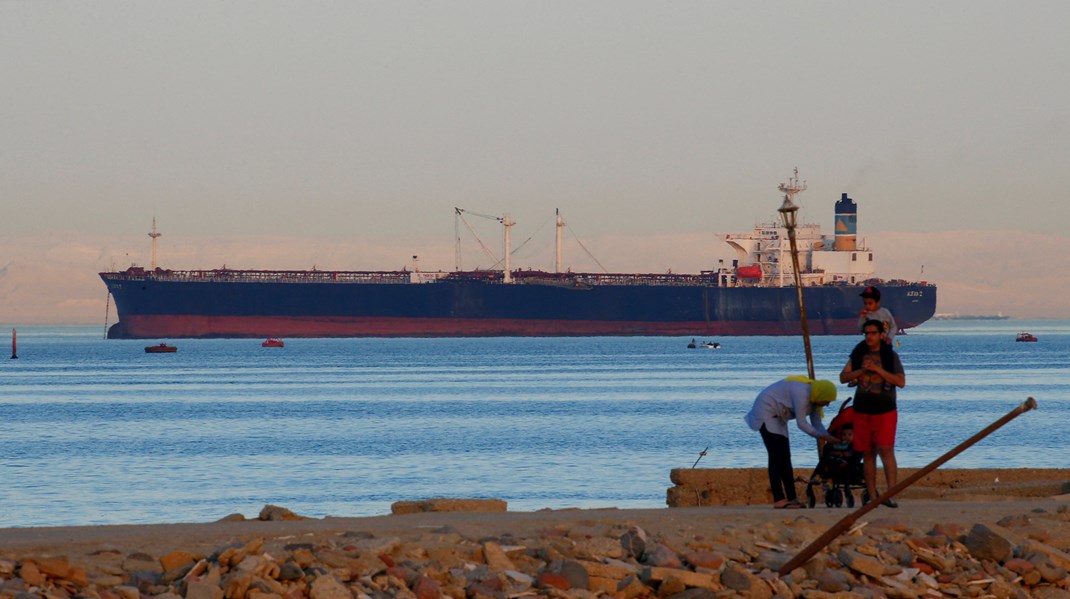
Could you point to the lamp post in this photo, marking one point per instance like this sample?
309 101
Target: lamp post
788 211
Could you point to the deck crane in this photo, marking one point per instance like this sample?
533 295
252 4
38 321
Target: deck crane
504 220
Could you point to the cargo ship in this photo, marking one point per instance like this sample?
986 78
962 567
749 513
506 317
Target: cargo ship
753 294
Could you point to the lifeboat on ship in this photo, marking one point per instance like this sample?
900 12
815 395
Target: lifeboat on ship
162 348
272 343
749 272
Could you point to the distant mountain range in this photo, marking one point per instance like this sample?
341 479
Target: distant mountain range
957 316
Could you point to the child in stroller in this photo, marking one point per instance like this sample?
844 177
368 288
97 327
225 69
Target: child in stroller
840 468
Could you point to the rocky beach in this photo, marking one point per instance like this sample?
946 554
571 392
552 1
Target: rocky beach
1010 545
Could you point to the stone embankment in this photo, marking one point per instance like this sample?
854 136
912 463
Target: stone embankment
680 554
750 486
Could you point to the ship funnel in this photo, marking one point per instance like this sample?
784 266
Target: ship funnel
846 224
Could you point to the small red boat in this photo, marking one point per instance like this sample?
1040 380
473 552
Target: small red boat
162 348
1025 337
273 343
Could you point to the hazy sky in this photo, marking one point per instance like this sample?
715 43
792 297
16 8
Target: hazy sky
284 134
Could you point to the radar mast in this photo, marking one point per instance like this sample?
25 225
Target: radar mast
793 186
154 235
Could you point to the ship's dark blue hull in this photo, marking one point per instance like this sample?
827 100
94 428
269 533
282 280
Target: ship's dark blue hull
155 307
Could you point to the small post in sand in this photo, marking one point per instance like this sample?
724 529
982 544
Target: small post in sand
838 528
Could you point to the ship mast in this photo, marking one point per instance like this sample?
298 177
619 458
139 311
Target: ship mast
154 235
557 254
508 224
792 187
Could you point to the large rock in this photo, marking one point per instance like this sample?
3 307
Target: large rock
328 587
685 577
203 590
985 543
553 580
598 547
634 542
496 558
426 588
276 513
632 587
662 557
32 575
443 504
739 579
576 574
861 563
610 571
176 559
705 559
53 567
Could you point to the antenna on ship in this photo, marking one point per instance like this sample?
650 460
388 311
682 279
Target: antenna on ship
793 186
557 254
790 189
154 235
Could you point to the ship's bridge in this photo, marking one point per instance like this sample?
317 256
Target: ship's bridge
768 247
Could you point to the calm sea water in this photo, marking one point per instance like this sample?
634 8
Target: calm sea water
95 431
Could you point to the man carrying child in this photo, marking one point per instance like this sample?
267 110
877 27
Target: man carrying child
875 368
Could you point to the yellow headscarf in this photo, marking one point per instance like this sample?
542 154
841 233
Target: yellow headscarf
822 393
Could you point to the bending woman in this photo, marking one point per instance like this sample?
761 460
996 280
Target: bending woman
794 398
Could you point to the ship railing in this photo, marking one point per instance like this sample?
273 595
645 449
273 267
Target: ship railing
266 276
660 280
583 279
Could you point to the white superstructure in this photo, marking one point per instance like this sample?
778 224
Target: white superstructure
764 254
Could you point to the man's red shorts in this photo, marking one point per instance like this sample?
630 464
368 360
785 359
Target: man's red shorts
875 430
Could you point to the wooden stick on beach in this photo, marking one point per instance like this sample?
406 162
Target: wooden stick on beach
838 528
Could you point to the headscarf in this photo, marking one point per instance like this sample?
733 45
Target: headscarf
822 393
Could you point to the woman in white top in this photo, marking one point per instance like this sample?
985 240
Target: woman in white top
794 398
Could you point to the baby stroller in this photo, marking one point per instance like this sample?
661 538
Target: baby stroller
839 471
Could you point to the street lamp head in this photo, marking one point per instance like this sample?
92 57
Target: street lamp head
788 212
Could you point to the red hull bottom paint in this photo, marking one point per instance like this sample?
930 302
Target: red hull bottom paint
260 326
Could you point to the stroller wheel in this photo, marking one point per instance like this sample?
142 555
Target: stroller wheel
829 497
850 497
837 497
811 499
865 497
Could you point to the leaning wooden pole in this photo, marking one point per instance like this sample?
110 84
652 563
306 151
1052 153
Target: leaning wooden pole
838 529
